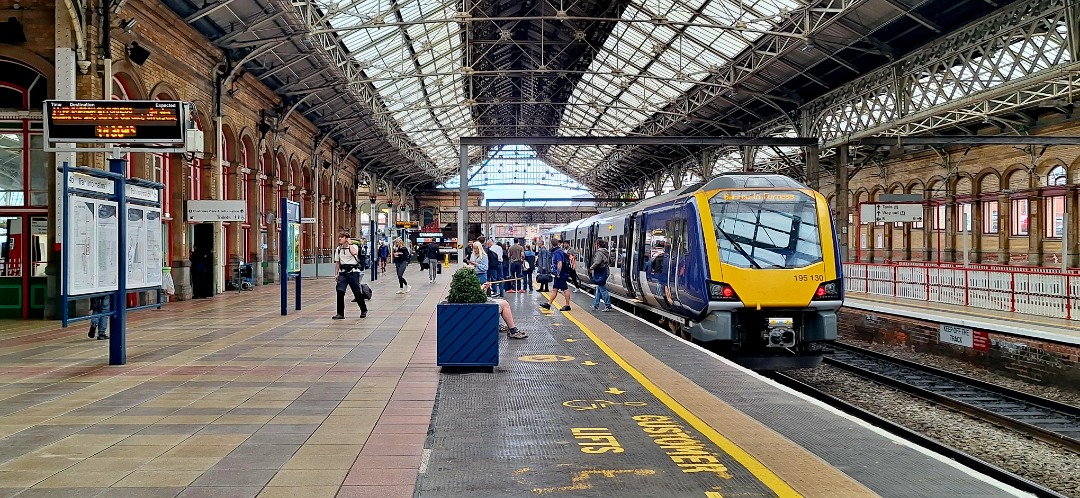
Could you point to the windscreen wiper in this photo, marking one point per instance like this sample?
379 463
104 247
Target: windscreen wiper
738 247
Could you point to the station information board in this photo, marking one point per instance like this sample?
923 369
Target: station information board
115 121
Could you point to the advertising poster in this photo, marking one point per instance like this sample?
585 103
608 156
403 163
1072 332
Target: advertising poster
136 248
294 247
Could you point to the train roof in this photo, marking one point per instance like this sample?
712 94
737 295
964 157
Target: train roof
732 180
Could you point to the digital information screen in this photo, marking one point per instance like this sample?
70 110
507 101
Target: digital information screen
115 121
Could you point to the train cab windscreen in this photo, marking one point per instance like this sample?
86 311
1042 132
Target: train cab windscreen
766 229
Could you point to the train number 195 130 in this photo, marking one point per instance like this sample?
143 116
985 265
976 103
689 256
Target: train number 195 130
809 278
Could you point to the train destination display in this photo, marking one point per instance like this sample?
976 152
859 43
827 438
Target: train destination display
115 121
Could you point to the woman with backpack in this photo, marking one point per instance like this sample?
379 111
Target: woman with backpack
543 265
528 267
601 264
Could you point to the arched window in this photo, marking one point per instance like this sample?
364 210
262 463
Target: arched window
1054 224
24 166
1056 176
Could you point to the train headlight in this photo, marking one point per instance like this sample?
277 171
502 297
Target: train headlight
828 291
720 291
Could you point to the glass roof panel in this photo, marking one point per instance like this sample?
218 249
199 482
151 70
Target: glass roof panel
659 50
413 66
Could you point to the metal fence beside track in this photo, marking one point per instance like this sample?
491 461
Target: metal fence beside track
1029 290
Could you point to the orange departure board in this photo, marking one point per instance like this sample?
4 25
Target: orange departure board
115 121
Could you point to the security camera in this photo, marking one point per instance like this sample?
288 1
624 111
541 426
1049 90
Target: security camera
128 24
84 67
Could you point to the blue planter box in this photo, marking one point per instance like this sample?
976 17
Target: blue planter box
467 334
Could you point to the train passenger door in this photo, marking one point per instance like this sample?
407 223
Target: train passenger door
654 262
676 230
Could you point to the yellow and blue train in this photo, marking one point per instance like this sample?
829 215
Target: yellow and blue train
746 263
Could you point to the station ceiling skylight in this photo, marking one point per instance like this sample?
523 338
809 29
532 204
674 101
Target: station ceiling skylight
411 53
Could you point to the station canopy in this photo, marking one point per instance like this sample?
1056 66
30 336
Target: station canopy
398 82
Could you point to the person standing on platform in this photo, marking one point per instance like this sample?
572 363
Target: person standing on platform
495 267
478 261
601 264
347 265
431 253
516 254
384 254
201 286
528 266
401 261
543 264
98 325
561 271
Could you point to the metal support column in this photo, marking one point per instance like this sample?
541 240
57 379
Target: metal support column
463 211
842 161
813 167
117 328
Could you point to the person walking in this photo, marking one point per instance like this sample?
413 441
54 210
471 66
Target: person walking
99 324
431 254
544 265
572 255
516 255
528 267
401 261
601 264
347 265
561 272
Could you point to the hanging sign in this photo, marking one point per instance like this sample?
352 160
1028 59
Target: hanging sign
115 121
213 210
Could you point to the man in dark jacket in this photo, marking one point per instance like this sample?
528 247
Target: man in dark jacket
431 254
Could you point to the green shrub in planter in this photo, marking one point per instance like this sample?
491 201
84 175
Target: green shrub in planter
465 288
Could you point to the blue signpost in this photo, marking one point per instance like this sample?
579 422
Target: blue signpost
92 186
291 237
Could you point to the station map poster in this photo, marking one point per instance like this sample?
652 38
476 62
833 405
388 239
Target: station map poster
136 247
92 251
144 251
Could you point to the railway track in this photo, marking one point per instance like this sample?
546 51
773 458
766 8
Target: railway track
975 463
1040 418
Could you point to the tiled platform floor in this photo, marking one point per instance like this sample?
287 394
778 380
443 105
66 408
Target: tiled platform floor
225 398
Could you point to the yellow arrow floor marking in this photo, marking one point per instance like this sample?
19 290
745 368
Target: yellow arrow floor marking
615 390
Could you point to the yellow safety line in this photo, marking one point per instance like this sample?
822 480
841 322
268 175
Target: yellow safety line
758 469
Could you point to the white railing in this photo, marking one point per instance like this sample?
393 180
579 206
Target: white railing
1029 290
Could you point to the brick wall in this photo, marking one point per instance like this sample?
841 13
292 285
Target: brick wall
920 171
182 66
1030 359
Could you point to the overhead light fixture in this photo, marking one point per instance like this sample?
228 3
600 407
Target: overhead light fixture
11 32
128 24
137 53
